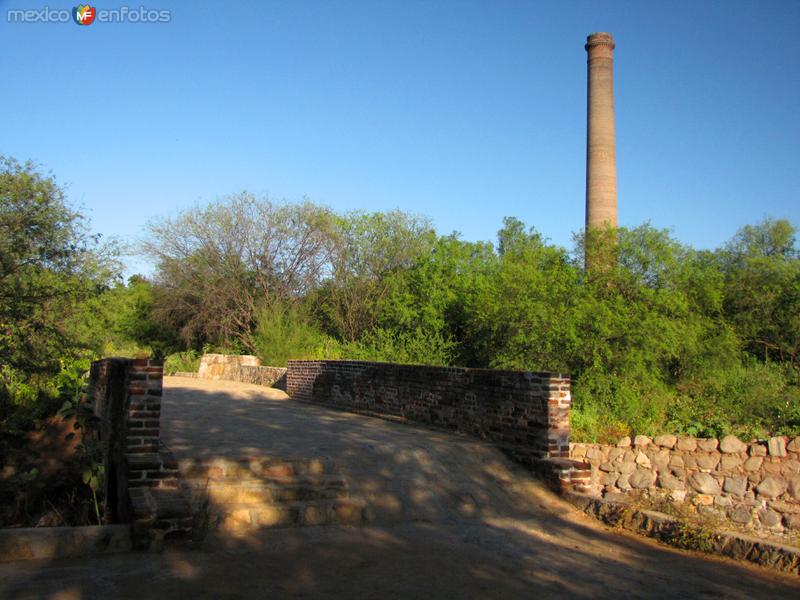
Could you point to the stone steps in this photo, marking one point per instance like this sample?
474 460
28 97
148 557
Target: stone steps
231 492
258 468
240 495
241 518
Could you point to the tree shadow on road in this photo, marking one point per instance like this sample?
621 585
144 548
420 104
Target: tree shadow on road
449 517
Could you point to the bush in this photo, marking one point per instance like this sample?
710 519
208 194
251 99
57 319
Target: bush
751 400
413 347
284 333
607 406
28 399
184 362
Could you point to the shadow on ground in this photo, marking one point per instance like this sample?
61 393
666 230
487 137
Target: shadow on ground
452 518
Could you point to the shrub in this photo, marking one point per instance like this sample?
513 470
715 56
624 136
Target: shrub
412 347
284 333
185 362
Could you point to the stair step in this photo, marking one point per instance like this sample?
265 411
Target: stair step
249 517
249 491
254 468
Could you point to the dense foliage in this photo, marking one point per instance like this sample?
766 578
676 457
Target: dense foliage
658 336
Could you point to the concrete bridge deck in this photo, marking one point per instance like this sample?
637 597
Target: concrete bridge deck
450 518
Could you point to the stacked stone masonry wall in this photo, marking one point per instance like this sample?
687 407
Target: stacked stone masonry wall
511 408
754 485
242 368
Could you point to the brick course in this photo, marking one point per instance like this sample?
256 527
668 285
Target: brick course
126 396
513 409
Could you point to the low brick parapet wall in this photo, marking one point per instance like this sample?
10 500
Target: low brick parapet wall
515 409
754 485
141 476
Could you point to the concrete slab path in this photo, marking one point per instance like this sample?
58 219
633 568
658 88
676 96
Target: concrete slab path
456 520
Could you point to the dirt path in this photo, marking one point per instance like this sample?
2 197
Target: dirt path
506 538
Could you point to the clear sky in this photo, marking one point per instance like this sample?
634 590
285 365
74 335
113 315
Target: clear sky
462 111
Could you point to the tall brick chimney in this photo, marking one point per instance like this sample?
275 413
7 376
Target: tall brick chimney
601 156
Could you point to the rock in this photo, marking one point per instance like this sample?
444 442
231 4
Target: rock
627 468
609 478
622 482
661 458
687 444
642 478
754 478
642 441
708 461
594 454
781 506
730 462
670 482
704 500
794 445
735 485
707 445
723 501
792 522
677 495
769 518
628 456
730 444
679 473
665 441
741 514
753 463
607 467
771 466
676 461
790 468
777 446
642 460
772 487
615 453
577 450
758 449
704 483
624 442
794 488
616 497
690 461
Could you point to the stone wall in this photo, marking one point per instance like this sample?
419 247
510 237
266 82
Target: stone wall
755 485
243 368
141 483
526 412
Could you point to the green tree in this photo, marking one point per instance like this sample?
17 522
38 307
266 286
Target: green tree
371 247
762 290
219 266
49 263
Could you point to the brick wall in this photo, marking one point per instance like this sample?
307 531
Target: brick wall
519 410
141 475
755 485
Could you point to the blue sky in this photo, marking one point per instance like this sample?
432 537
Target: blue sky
462 111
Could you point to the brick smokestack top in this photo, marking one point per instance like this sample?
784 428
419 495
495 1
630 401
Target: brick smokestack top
601 156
